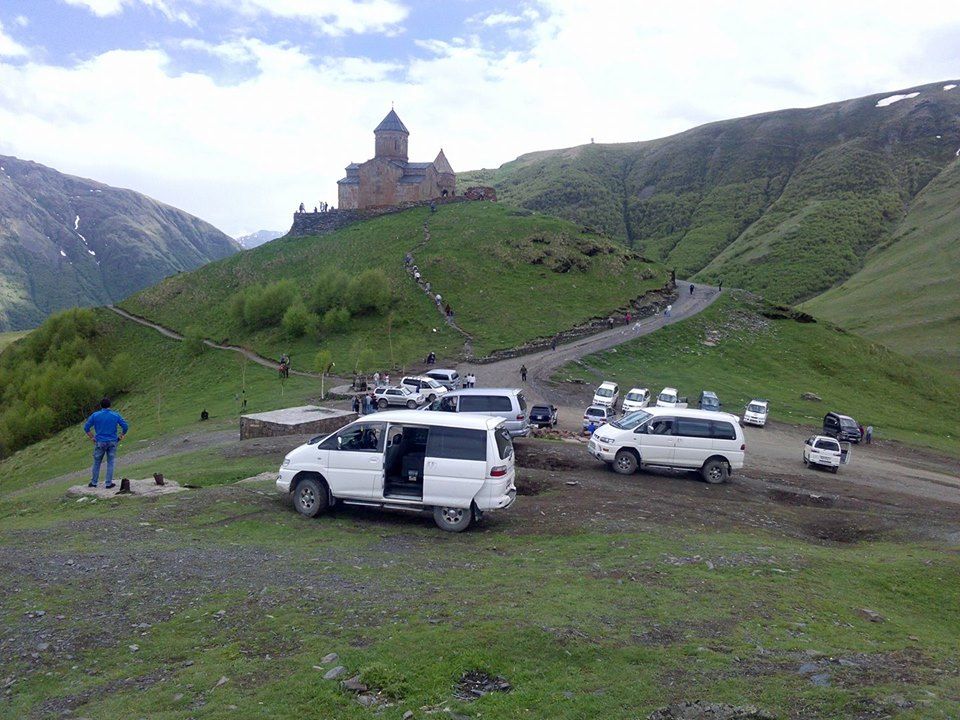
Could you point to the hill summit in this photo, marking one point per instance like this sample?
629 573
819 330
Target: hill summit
68 241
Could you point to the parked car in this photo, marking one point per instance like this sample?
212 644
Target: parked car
398 395
455 466
450 379
755 413
824 451
636 399
543 416
598 415
607 394
841 427
508 403
709 401
708 441
430 388
668 397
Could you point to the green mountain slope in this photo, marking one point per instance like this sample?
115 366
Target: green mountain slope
907 295
510 276
67 241
785 203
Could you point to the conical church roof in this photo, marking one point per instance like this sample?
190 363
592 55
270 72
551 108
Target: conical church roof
442 164
393 123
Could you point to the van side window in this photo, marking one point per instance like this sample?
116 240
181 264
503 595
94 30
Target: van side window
473 403
457 444
498 403
693 427
504 443
722 430
366 437
660 426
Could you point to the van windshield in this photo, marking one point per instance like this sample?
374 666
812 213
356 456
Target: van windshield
604 392
668 397
634 396
754 408
848 423
631 420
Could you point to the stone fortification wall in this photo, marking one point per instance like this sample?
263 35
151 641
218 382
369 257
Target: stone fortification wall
309 223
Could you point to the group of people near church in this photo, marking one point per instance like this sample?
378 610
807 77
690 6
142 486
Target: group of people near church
321 208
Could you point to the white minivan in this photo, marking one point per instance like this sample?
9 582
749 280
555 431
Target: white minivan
668 397
455 465
636 399
711 442
607 394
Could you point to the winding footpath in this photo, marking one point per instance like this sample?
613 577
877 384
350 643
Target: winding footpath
249 354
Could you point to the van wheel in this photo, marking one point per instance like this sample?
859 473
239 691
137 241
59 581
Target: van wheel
834 469
382 403
310 498
715 471
625 462
452 519
411 404
431 397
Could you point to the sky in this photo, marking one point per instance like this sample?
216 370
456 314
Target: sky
238 110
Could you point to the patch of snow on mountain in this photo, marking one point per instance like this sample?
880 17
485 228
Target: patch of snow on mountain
76 223
945 87
62 253
895 98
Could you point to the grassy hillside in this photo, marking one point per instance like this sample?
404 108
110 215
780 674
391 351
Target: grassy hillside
907 295
786 203
10 337
67 241
780 359
166 390
502 271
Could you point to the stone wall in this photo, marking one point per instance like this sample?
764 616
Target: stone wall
310 223
263 425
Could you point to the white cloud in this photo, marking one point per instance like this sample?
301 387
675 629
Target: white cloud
332 17
10 47
501 19
243 155
22 20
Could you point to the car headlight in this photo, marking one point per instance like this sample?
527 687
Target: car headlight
605 440
286 462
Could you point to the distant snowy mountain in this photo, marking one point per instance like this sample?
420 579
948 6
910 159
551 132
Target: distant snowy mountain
258 238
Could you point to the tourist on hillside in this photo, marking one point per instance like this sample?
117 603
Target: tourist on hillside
376 379
471 380
438 299
407 259
523 373
553 343
426 286
868 436
416 276
447 311
668 310
101 428
719 285
691 288
628 318
357 405
302 209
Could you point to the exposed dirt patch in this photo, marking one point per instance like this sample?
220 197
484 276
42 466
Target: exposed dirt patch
842 530
530 485
699 710
793 496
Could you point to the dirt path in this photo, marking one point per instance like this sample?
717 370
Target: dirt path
249 354
542 365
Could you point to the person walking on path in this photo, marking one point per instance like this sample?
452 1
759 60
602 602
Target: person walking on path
356 404
376 379
553 343
720 286
691 289
666 313
523 373
868 436
101 428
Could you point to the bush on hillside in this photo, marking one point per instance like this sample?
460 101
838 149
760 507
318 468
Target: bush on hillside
336 320
54 378
329 291
368 293
297 320
193 341
264 306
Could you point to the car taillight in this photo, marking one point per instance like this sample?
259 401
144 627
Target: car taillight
519 417
498 471
743 446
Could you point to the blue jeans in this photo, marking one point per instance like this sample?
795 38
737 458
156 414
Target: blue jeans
100 449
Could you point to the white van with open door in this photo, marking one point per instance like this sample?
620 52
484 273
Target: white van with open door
456 465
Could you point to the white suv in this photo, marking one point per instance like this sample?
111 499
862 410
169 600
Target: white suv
822 450
668 398
607 394
401 395
636 399
711 442
430 388
756 413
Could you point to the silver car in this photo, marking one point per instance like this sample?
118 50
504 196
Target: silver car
401 396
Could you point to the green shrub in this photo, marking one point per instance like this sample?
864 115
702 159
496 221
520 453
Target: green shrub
329 291
296 320
193 341
368 293
388 680
336 320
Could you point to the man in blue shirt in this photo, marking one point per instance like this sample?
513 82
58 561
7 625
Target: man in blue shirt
101 427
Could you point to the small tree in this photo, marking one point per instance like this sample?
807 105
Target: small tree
323 363
193 341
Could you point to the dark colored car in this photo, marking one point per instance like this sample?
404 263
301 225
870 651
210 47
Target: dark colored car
841 427
543 416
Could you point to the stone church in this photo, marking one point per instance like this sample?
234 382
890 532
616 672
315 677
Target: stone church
389 178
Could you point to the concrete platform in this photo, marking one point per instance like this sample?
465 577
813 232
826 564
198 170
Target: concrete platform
138 488
303 420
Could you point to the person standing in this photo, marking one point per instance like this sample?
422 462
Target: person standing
691 288
523 373
101 428
720 285
666 313
868 437
357 407
553 343
376 379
